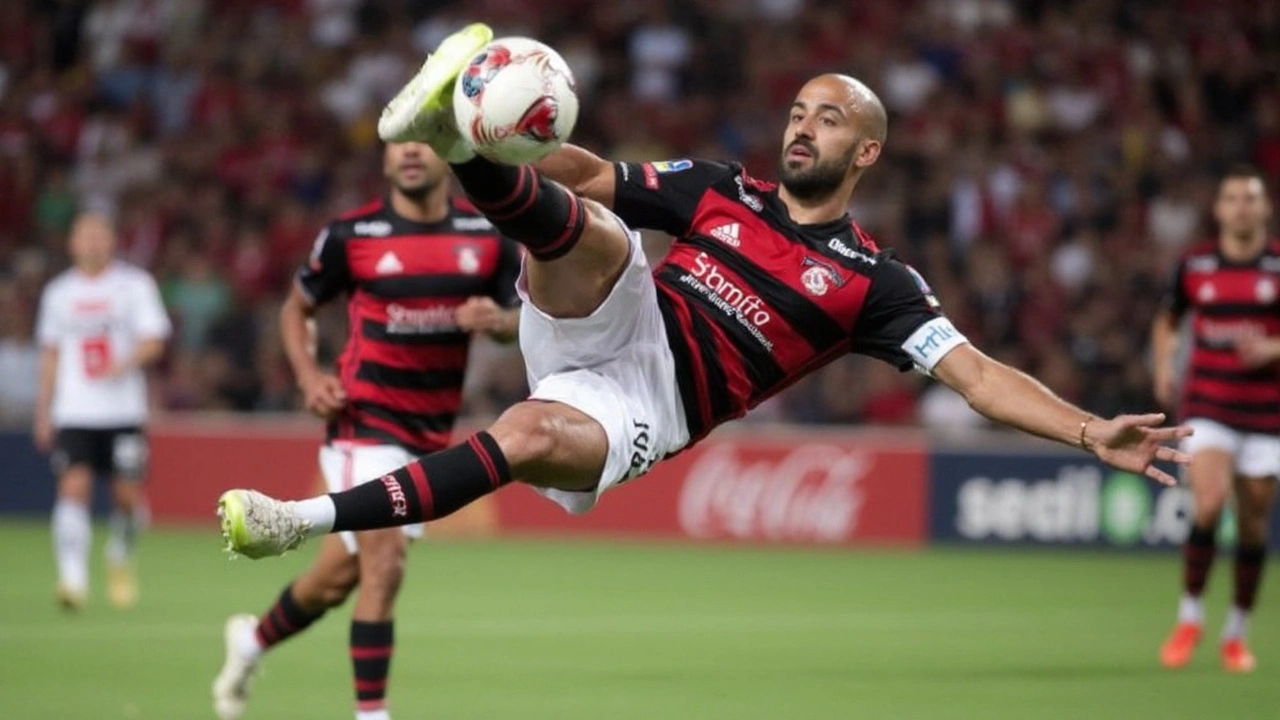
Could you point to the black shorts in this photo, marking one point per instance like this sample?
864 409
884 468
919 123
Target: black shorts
111 452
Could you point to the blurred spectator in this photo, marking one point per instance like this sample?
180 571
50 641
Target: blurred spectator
1046 160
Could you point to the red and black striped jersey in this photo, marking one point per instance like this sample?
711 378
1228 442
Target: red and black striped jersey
403 365
1228 302
753 301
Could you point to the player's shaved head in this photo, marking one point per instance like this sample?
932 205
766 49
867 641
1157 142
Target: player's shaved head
858 101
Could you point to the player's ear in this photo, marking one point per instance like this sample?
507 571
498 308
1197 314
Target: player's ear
867 152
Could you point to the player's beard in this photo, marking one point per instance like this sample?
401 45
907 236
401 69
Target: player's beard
418 191
819 180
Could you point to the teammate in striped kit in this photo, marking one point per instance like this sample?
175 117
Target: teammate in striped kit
422 272
629 365
1230 290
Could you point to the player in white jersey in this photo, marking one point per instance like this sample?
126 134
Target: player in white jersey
101 324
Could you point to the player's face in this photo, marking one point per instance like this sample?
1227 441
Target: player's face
1242 208
92 243
820 142
413 168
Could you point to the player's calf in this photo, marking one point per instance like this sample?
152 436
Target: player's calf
526 206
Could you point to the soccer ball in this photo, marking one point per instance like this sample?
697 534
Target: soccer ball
515 101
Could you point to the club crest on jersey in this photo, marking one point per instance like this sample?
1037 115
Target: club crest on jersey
1265 290
1207 293
818 277
468 259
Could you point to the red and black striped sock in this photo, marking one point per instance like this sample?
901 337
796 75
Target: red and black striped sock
1249 563
1197 559
525 206
426 489
284 620
371 648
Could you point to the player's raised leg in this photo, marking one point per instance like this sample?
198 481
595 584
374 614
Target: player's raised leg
577 249
1209 477
324 585
1255 497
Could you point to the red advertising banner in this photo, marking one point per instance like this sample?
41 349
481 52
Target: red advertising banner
760 487
753 485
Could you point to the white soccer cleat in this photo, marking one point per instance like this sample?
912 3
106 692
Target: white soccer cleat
231 687
423 110
258 526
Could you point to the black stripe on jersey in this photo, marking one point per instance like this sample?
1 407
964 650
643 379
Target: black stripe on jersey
420 286
806 318
377 332
1262 409
713 372
1234 310
762 370
682 354
413 423
1246 376
406 379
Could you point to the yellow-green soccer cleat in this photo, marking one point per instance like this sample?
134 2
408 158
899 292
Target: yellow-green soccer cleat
257 526
423 110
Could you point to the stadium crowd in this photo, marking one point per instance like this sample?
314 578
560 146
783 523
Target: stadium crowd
1047 160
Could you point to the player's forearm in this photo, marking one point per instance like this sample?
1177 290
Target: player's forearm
297 333
48 376
582 171
1013 398
1164 339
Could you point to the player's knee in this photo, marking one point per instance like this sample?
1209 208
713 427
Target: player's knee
76 483
382 561
528 434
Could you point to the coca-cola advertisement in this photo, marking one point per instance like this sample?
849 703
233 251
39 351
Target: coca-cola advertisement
758 487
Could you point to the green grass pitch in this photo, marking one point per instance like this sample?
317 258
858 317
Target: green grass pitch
627 631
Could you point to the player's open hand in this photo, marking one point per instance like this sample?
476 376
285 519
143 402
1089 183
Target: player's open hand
322 394
1256 352
1135 442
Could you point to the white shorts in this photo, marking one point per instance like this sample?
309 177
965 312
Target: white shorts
615 366
1255 454
347 464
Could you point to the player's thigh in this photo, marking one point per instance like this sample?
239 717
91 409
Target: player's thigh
1213 449
345 465
576 284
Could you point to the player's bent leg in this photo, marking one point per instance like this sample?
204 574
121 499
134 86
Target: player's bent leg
324 585
552 444
73 535
372 639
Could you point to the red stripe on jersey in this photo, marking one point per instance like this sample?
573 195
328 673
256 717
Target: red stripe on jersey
1227 360
402 400
1234 391
697 367
436 254
426 357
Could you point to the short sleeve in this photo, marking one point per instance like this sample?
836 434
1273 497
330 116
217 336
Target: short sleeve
664 195
150 319
326 273
1175 294
504 277
47 318
902 322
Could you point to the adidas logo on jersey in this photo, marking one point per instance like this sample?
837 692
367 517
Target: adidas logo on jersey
727 234
389 264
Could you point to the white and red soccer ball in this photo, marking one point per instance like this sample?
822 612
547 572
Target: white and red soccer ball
515 101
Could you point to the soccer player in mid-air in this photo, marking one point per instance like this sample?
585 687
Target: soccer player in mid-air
422 272
763 285
100 324
1231 396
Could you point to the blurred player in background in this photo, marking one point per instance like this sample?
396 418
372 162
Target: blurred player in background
764 284
421 272
1231 396
100 324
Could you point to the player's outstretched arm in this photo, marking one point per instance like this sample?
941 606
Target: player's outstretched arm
585 174
1011 397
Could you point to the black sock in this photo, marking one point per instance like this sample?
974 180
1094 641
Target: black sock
426 489
284 620
525 206
371 647
1197 559
1249 563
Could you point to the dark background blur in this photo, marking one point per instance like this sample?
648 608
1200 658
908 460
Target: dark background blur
1046 162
